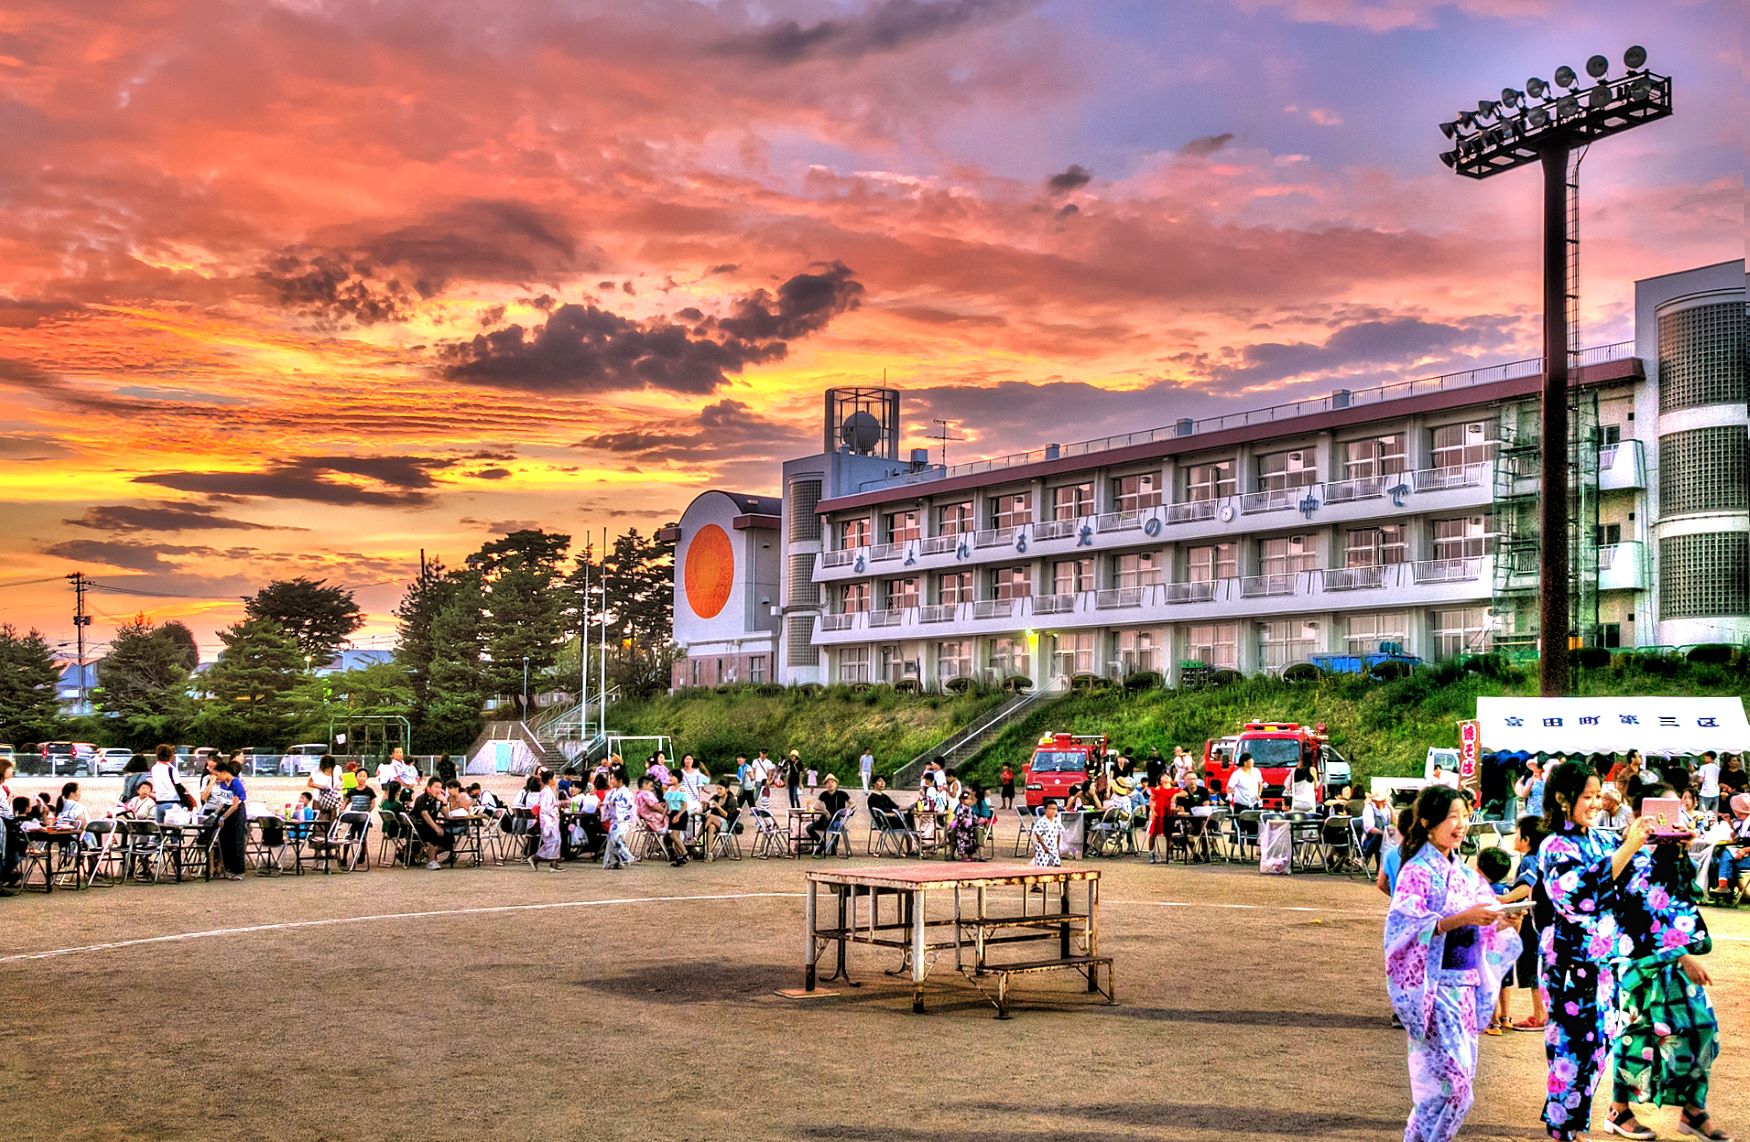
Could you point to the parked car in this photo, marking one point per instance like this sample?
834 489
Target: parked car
67 759
111 761
300 760
7 753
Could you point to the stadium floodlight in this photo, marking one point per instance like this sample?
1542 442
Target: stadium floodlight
1553 124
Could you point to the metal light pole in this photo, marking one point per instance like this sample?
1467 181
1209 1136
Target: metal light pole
525 686
1543 125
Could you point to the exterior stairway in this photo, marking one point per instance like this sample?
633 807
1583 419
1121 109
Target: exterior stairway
967 742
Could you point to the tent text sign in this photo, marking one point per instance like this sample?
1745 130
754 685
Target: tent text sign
1613 725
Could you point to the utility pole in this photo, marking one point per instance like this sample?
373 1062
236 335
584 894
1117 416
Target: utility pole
583 653
81 620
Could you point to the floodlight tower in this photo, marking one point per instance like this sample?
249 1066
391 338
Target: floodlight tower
1542 124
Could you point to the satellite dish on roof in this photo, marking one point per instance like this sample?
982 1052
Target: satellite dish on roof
860 432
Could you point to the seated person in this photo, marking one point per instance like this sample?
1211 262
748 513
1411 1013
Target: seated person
143 806
484 801
830 800
304 812
428 823
678 803
1732 856
457 803
652 812
880 799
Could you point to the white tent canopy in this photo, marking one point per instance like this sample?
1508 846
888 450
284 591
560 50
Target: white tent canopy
1613 725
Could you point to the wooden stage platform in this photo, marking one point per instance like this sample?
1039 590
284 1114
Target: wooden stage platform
980 908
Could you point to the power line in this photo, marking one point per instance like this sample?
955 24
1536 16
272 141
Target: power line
152 594
31 582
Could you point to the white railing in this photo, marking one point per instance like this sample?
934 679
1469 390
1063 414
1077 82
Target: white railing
1054 529
1445 479
995 608
844 621
1114 598
938 613
1054 604
887 617
1191 511
1460 570
882 552
841 558
1203 592
1275 500
936 544
995 537
1354 578
1359 488
1264 586
1118 521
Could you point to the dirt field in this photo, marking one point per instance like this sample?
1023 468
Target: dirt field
641 1004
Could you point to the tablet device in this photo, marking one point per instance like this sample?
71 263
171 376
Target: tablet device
1665 813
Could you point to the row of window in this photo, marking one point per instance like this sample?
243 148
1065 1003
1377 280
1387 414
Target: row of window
1450 446
1453 631
1461 537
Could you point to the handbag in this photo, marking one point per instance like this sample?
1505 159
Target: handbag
328 801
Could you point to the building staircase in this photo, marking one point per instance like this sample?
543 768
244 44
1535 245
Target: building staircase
957 749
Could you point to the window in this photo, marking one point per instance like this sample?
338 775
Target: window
853 664
1608 534
1279 471
1704 575
1011 509
953 658
1214 644
799 641
954 519
1455 445
1704 470
1701 356
1138 650
853 533
1075 652
1375 546
1211 562
1008 655
693 666
1374 456
1363 634
900 526
1072 501
1136 569
854 597
900 593
1211 481
1284 642
1286 554
1072 576
1609 435
1134 493
1011 583
954 587
1610 635
800 589
800 511
756 669
1465 537
1459 630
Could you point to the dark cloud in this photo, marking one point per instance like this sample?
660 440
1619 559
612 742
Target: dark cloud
1371 347
346 278
1206 145
123 553
1076 177
491 474
728 429
584 348
723 268
162 516
1067 210
887 26
393 480
19 447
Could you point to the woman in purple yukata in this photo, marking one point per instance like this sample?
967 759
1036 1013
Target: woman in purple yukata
1578 866
1447 947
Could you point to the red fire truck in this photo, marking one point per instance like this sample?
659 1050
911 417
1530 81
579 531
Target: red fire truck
1060 761
1276 748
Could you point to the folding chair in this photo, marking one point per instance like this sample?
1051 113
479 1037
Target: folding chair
1025 815
102 853
513 841
770 839
1107 835
725 842
350 835
837 831
41 852
142 850
647 843
987 836
1337 844
394 846
194 848
264 842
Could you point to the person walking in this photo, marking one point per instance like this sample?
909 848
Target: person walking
226 801
1008 779
1447 946
793 778
618 808
1668 1043
1578 867
866 768
547 820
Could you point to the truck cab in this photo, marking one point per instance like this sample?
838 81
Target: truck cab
1060 762
1276 749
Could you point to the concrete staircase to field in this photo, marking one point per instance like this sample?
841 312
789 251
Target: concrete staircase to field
960 747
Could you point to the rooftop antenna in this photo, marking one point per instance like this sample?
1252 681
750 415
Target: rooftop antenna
944 432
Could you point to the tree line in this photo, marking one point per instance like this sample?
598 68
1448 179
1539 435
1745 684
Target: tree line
464 638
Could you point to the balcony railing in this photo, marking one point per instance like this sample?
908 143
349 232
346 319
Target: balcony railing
938 613
1274 500
1054 604
1354 578
1118 521
840 558
1140 502
995 537
838 622
1360 488
936 544
1114 598
1459 570
1054 529
996 608
1446 479
1191 510
1622 465
887 617
882 552
1203 592
1262 586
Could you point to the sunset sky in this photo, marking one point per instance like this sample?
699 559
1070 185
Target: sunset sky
302 287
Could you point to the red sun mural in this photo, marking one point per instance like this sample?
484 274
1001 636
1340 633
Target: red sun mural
709 571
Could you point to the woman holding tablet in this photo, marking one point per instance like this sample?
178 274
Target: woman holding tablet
1447 946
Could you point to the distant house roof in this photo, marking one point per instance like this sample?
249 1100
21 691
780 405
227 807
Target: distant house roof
355 659
69 680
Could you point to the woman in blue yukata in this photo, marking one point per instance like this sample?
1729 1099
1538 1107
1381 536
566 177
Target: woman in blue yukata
1668 1047
1447 947
1579 866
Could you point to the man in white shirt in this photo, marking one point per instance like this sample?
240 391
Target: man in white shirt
1181 764
866 768
398 770
1709 775
1245 787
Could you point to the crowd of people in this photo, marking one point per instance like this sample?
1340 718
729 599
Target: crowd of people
1598 920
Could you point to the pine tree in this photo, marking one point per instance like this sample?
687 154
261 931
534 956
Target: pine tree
28 709
519 578
144 679
317 616
250 685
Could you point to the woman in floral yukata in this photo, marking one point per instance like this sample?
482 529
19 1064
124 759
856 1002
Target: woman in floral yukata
1048 837
1579 866
1447 947
1667 1047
